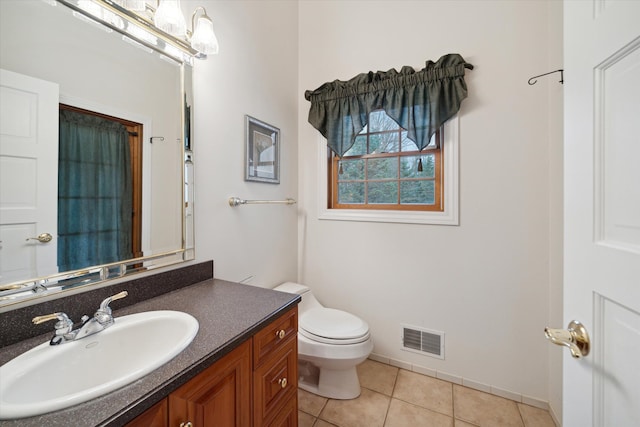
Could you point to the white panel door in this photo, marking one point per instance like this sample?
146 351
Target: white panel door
28 176
602 210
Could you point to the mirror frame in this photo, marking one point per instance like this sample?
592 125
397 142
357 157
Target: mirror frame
12 295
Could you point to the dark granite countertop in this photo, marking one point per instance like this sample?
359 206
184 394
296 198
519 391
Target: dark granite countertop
228 314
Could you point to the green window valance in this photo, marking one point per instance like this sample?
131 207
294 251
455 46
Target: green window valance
419 101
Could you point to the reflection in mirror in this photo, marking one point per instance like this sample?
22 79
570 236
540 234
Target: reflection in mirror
109 215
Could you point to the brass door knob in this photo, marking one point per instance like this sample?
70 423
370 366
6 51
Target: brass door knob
42 238
187 424
281 333
282 382
575 337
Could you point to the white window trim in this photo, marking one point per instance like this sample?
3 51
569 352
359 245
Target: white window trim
449 216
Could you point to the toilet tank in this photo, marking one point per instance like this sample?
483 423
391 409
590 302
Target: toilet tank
308 302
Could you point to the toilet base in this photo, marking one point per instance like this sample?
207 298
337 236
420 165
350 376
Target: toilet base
335 384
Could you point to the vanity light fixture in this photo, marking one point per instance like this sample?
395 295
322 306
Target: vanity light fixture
163 29
137 5
168 17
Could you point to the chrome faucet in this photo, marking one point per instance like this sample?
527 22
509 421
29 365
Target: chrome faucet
64 331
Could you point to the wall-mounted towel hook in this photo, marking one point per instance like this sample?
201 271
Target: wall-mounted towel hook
161 138
532 81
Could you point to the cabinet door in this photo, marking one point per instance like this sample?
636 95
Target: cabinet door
156 416
220 396
288 416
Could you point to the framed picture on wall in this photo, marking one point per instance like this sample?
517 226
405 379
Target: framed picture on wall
262 151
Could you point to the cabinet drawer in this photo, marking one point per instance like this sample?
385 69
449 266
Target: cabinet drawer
276 383
268 340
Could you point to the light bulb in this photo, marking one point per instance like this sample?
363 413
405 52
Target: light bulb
204 39
138 5
169 18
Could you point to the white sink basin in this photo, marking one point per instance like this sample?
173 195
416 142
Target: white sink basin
48 378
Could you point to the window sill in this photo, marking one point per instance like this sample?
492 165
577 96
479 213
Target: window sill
436 218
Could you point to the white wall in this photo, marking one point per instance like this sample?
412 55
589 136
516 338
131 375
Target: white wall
255 73
485 283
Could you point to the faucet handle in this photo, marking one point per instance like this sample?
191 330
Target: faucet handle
104 305
64 326
103 315
63 319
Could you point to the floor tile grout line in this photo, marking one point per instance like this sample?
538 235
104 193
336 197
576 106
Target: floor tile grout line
321 410
453 403
524 423
386 413
393 389
423 407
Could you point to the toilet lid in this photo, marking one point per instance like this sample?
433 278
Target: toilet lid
331 325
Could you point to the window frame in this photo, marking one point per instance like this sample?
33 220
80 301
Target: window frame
436 151
447 216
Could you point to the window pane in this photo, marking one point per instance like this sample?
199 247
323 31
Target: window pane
386 142
407 144
359 147
409 166
386 168
351 192
417 192
382 192
379 121
351 169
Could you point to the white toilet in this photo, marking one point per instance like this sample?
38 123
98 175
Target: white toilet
331 343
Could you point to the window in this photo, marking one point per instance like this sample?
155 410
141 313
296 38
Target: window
383 177
385 170
449 215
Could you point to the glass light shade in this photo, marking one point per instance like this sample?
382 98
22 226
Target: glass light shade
138 5
169 18
204 39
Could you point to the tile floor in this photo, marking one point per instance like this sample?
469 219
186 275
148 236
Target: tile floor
393 397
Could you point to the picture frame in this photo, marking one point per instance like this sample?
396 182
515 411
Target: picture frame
262 151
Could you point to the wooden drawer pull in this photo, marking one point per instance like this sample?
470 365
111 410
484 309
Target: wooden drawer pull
281 333
282 382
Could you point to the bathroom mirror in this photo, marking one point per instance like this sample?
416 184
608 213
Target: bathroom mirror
96 72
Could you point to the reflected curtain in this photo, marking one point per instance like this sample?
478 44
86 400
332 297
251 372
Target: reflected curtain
419 101
94 191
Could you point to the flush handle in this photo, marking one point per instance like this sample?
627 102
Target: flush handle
575 337
42 238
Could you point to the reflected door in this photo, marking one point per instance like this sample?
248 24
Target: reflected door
602 210
28 176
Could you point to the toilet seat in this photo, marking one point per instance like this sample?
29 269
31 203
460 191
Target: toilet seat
331 326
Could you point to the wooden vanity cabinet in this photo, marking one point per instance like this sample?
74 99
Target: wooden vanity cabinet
275 372
156 416
254 385
218 396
